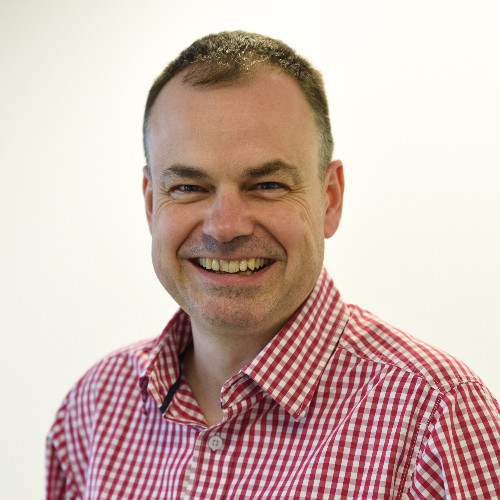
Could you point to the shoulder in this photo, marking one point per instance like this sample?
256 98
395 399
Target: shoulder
108 390
115 374
112 368
368 337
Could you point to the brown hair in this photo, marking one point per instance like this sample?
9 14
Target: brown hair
235 55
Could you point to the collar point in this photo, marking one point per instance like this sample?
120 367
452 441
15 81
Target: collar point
299 413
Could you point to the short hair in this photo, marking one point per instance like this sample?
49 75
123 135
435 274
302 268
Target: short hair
230 56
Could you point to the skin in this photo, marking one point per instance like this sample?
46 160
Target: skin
234 175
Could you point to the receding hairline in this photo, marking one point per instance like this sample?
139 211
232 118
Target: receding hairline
229 57
185 78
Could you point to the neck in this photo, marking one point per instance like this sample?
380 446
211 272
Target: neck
212 360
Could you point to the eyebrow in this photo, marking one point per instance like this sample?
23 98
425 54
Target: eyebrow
273 167
269 168
183 171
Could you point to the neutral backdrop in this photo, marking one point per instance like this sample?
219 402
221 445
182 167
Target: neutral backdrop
414 96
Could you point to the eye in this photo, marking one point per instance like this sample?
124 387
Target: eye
270 186
186 188
268 190
186 192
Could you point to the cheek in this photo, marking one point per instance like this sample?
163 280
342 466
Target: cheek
170 228
304 236
306 217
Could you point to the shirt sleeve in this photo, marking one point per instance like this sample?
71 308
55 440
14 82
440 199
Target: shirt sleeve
460 458
55 479
61 457
68 443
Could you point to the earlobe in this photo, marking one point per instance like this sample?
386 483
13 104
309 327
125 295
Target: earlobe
334 194
147 191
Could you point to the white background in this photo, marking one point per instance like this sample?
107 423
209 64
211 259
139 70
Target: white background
414 96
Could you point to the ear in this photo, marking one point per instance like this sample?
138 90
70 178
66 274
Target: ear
334 195
147 191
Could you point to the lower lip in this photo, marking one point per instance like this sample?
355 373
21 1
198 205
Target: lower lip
232 278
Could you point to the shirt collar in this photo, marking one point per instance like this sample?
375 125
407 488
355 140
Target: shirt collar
162 372
288 368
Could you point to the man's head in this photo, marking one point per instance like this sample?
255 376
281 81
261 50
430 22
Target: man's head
236 208
231 56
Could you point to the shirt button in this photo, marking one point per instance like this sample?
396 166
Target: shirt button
215 443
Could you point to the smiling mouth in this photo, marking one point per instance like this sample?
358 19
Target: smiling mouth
243 267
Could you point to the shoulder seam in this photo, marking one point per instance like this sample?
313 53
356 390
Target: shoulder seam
434 383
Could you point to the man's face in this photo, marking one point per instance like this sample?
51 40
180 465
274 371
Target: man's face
235 185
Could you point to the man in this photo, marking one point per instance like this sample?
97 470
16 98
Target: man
265 384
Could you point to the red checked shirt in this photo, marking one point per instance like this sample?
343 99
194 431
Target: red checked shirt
338 405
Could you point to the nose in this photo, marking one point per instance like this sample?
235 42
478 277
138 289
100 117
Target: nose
228 216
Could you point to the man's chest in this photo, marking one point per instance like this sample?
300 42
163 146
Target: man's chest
352 443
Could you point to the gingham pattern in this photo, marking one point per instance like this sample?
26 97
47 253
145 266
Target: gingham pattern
338 405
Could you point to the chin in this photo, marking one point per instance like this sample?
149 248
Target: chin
236 322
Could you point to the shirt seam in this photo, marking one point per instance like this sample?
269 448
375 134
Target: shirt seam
430 380
431 421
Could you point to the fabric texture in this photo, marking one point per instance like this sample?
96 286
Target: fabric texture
338 405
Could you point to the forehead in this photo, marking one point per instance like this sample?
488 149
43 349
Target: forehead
266 115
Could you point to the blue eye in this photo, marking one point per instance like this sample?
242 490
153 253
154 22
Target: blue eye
187 192
187 188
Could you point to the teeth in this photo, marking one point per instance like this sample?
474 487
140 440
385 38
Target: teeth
243 266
